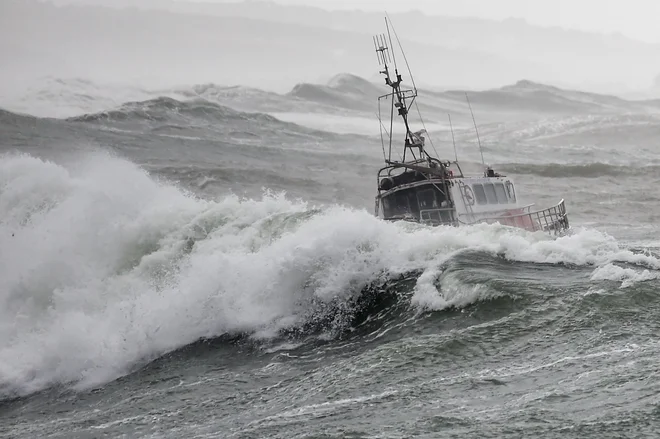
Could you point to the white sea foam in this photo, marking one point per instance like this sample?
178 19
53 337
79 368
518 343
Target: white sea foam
98 270
627 276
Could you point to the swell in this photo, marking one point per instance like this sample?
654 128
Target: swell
588 170
193 119
203 177
12 118
163 108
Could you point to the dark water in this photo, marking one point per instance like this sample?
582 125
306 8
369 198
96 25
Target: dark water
186 265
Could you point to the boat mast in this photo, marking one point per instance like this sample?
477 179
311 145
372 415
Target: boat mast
412 140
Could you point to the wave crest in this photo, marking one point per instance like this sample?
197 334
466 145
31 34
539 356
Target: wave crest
164 109
104 268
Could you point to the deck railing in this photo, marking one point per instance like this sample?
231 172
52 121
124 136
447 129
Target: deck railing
552 219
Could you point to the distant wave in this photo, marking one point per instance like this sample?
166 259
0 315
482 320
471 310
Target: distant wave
343 90
203 177
68 97
8 117
194 119
163 108
588 170
319 93
211 89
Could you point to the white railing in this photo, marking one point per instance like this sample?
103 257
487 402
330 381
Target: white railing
552 219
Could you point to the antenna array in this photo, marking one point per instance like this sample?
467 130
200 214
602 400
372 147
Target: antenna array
382 50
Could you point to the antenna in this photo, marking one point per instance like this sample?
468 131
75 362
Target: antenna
383 55
402 99
477 130
387 18
387 26
452 136
380 44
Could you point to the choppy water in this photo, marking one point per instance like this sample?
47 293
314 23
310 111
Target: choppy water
182 263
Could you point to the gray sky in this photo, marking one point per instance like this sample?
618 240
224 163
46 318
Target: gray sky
636 19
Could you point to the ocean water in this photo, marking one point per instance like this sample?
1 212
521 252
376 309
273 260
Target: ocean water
203 261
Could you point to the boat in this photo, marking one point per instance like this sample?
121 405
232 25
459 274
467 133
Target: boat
423 188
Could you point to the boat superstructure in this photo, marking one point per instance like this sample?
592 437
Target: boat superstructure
422 188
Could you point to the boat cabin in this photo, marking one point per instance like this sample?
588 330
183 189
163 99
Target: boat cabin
446 197
422 192
415 201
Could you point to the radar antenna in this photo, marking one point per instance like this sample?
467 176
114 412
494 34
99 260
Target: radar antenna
402 100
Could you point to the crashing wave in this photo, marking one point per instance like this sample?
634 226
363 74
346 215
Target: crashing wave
104 268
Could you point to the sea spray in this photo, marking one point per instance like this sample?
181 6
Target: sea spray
103 267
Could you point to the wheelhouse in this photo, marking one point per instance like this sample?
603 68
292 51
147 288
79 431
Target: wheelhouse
422 192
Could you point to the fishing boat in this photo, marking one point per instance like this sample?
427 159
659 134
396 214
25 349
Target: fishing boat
422 188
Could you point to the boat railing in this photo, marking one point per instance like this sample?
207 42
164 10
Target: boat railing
552 219
527 208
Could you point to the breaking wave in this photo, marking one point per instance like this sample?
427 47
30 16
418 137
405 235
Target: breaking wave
69 97
104 268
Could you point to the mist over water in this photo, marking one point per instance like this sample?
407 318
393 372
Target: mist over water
200 258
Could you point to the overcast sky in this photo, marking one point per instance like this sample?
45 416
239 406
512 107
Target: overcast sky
638 19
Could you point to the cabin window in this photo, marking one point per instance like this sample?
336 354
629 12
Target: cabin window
480 194
511 191
490 193
501 193
426 199
399 203
412 200
402 203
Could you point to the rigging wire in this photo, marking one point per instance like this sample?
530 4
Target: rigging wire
451 127
477 131
412 79
403 53
382 142
427 132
